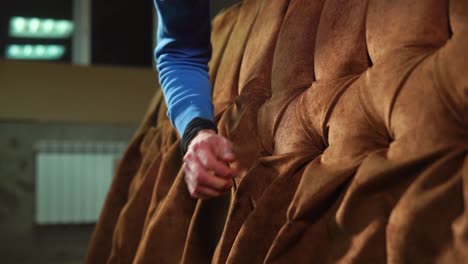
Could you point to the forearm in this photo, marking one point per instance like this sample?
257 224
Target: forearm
182 56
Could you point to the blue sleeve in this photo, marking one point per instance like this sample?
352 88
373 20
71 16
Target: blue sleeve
182 55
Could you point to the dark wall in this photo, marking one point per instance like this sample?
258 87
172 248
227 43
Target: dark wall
122 32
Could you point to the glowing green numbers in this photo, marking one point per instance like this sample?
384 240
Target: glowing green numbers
40 28
35 52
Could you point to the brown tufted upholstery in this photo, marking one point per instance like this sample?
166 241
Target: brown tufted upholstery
349 119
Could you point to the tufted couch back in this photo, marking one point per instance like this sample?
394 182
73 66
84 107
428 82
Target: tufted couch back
349 119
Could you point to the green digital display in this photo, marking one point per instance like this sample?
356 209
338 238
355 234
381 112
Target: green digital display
23 27
34 52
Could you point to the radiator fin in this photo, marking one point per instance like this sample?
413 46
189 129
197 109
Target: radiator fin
72 180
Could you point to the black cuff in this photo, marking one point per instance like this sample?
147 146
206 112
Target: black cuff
193 128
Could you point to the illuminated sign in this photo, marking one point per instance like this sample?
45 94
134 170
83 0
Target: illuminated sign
23 27
35 52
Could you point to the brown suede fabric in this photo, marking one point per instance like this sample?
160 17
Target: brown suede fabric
350 124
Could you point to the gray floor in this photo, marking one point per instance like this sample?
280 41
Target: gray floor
62 244
56 245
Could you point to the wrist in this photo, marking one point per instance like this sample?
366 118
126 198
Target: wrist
198 126
205 131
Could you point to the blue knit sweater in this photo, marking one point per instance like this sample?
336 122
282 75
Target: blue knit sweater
182 55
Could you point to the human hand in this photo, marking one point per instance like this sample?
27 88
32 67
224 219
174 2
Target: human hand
206 168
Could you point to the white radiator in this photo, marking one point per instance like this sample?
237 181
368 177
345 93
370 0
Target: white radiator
72 180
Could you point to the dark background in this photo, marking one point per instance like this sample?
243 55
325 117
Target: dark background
121 31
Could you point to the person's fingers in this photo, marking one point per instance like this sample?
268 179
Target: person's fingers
197 190
206 173
199 176
209 161
224 150
203 192
221 146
